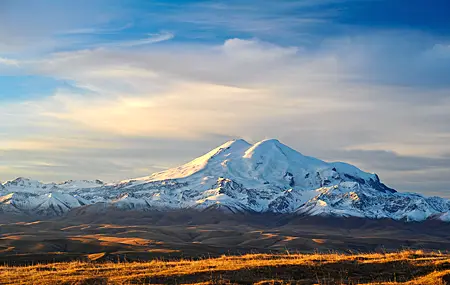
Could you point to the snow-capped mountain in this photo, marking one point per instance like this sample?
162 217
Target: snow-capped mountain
236 177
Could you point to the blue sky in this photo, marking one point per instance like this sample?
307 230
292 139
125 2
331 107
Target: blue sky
117 89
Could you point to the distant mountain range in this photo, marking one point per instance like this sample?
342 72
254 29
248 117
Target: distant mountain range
234 177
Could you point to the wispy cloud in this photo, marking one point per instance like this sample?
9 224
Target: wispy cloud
98 30
10 62
151 39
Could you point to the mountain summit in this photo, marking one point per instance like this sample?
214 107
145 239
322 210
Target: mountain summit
268 162
267 176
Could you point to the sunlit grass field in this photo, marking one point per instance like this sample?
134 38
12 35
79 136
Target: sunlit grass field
405 267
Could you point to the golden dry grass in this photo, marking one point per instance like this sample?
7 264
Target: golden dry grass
406 267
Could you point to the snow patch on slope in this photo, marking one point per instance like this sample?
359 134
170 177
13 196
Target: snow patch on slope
445 217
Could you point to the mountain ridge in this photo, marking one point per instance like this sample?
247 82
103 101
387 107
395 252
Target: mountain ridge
237 176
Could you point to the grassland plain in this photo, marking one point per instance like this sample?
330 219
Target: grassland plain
192 248
404 267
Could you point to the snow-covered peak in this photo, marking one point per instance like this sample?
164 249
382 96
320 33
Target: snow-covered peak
76 184
228 150
274 155
264 147
26 184
281 151
267 161
267 176
233 144
23 182
233 148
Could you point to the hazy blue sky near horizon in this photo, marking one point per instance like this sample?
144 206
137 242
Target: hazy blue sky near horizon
113 89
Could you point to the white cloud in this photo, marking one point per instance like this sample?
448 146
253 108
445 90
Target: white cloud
10 62
256 51
151 39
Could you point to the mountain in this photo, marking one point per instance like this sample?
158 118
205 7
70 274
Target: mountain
235 177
